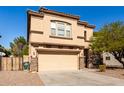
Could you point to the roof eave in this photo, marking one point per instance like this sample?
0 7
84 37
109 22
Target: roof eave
33 13
91 26
44 10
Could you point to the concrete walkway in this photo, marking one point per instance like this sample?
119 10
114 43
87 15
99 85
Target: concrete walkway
78 78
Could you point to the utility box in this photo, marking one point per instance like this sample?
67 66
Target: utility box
26 66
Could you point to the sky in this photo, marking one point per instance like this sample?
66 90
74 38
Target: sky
13 20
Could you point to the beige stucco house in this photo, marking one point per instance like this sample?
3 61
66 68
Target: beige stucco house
57 41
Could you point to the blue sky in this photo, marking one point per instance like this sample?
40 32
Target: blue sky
13 20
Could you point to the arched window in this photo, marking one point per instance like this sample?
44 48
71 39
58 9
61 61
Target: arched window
60 28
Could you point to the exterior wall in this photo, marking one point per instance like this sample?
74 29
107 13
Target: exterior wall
36 23
77 30
88 37
89 33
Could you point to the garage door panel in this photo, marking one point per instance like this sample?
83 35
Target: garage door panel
49 62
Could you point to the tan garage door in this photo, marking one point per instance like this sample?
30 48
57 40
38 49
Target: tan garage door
55 62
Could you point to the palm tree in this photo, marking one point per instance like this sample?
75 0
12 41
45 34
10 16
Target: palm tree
19 47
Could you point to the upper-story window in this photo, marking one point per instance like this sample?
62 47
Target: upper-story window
85 34
60 29
53 28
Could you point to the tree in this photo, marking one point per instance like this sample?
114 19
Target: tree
110 38
2 49
19 46
7 52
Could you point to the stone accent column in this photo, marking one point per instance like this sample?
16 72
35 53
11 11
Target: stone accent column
81 60
34 65
33 59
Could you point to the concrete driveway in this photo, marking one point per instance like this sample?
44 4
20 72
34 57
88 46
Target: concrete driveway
78 78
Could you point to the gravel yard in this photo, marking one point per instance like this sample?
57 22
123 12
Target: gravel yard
117 73
19 78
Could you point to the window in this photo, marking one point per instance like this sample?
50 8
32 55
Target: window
53 31
68 30
53 28
60 29
85 34
108 58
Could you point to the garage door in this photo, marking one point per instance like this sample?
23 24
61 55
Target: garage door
55 62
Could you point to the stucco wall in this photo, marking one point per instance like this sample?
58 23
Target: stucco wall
43 24
36 23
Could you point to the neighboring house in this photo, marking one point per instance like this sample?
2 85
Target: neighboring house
110 60
2 54
57 40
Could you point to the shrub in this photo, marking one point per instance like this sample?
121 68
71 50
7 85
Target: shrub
102 68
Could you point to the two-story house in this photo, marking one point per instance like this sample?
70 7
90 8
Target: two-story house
57 41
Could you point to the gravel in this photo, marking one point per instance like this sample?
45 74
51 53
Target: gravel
117 73
19 78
